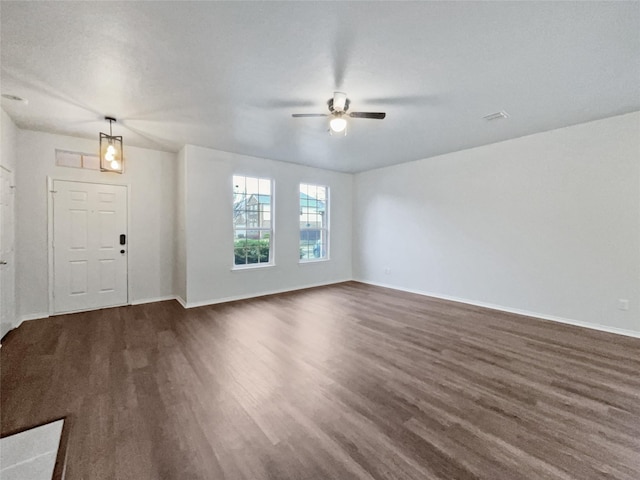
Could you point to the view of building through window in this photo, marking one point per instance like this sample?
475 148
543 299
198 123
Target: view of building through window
252 220
314 222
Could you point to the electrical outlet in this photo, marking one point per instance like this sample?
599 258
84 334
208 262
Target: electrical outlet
623 304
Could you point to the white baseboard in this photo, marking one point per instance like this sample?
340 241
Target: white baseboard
142 301
526 313
501 308
255 295
32 316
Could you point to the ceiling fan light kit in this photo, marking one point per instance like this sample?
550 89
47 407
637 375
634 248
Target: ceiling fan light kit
338 106
338 125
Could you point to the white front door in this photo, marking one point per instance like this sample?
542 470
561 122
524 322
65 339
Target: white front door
90 246
7 264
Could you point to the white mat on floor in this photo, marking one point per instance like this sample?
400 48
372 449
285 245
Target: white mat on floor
30 454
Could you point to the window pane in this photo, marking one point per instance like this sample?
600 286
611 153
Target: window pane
320 249
264 249
313 191
254 250
252 185
238 184
240 256
314 233
264 186
251 220
322 194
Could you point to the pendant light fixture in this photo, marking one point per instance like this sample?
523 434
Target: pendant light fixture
111 159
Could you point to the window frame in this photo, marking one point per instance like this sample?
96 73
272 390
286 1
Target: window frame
246 228
325 230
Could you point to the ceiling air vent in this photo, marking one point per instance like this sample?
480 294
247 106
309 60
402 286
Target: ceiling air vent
496 116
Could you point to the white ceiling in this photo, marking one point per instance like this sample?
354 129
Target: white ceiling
228 75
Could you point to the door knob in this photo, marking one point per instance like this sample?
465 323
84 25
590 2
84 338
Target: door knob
2 262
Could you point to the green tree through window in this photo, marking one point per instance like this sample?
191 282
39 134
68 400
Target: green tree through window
252 221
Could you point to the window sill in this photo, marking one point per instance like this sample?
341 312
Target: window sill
252 266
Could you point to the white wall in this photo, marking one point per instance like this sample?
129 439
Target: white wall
209 227
8 141
180 254
9 133
150 175
547 224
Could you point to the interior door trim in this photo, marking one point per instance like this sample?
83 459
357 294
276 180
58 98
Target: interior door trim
50 189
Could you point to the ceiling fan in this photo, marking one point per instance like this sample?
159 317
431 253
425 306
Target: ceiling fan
338 106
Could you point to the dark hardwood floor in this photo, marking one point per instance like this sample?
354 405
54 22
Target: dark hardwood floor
342 382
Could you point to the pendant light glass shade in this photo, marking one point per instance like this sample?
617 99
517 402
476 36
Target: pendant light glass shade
111 158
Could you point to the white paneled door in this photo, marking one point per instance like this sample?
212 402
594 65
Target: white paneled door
90 246
7 264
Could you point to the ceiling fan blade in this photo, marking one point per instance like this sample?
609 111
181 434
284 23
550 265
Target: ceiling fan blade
286 103
376 115
339 101
409 100
298 115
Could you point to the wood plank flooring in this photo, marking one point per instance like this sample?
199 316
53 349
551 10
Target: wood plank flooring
342 382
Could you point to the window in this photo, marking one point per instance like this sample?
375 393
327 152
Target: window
77 160
252 221
314 222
